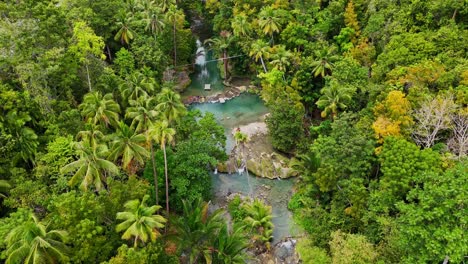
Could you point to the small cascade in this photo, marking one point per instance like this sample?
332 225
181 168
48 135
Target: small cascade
200 60
215 171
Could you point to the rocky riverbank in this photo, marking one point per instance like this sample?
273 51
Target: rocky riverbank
257 155
227 95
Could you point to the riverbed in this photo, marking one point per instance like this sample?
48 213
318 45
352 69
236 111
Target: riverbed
242 110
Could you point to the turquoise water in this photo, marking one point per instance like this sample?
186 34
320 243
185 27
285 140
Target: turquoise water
242 110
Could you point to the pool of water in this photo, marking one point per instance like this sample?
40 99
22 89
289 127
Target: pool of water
242 110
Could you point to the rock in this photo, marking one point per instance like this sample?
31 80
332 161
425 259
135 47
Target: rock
222 167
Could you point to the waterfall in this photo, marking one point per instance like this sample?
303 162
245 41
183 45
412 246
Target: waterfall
200 60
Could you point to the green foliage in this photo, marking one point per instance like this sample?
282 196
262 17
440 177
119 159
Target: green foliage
431 223
351 248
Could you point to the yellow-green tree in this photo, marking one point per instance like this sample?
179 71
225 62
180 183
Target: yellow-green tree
392 116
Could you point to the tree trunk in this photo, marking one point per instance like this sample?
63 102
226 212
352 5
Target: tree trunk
87 73
225 61
155 176
109 53
263 64
167 181
454 14
175 43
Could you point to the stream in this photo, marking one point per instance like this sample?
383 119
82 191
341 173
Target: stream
242 110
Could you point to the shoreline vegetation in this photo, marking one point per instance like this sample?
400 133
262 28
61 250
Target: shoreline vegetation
101 160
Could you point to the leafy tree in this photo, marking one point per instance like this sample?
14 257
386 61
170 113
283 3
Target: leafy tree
392 116
31 242
241 26
140 221
431 221
128 145
86 44
351 248
4 186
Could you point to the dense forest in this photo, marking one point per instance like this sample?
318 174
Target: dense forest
102 162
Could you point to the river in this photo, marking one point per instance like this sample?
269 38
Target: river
242 110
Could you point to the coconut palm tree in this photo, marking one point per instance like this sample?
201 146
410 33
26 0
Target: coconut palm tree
173 16
140 222
281 58
125 33
91 168
4 187
334 97
259 219
258 51
304 165
92 136
166 4
323 63
170 105
137 85
128 145
141 113
100 109
196 229
154 19
31 242
229 246
221 45
241 26
268 21
164 135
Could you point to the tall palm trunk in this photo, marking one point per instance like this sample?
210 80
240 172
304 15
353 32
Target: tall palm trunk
155 176
167 181
263 64
175 42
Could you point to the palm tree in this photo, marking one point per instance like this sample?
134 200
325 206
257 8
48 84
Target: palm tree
241 26
281 57
140 221
304 165
258 50
125 34
154 20
221 44
128 145
268 21
170 105
100 109
141 113
92 136
4 186
143 117
259 219
196 229
334 97
166 4
323 63
173 16
164 134
228 247
31 242
137 85
91 168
